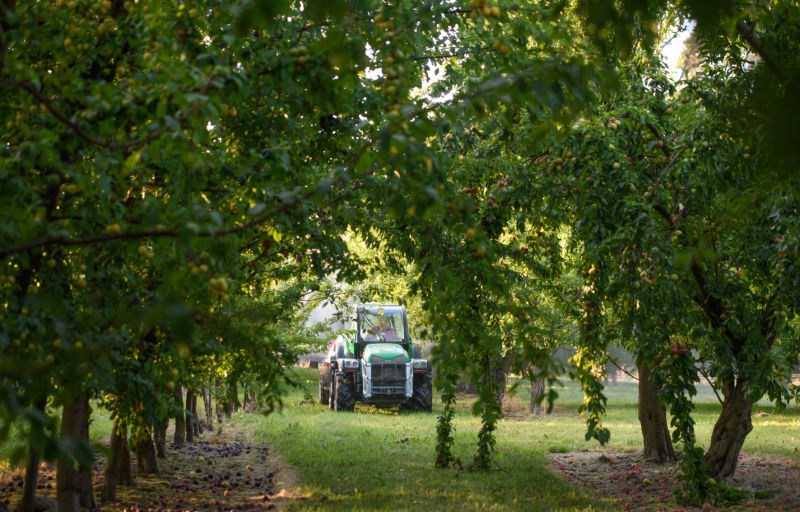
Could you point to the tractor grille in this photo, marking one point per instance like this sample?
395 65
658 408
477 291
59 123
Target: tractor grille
388 378
395 360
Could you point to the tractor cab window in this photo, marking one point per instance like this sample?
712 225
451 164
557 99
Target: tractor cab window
382 324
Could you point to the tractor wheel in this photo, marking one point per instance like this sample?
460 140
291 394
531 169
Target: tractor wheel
422 399
324 393
344 397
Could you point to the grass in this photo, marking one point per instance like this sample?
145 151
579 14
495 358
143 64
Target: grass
379 460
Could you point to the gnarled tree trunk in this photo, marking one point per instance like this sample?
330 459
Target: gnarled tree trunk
71 473
179 437
207 407
145 453
195 418
730 431
160 434
537 390
653 419
26 504
188 416
118 463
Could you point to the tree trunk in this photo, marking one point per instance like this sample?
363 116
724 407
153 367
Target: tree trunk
207 407
537 390
86 489
235 396
653 419
26 504
70 480
117 460
125 471
188 416
145 454
730 431
161 439
180 427
195 418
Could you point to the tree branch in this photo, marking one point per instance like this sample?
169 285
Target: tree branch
749 34
109 144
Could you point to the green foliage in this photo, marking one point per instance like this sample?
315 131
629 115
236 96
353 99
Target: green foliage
176 178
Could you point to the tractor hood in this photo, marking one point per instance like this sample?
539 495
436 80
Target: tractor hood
386 351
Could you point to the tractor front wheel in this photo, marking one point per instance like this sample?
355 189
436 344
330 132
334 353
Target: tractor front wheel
422 399
344 397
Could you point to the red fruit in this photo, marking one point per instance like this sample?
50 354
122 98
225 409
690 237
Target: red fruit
629 158
589 305
226 493
490 202
777 240
559 161
539 233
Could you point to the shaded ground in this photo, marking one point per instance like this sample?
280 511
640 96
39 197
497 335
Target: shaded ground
635 484
220 471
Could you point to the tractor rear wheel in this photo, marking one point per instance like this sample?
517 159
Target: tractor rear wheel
344 397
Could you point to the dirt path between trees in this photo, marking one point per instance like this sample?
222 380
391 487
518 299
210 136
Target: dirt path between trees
772 484
220 471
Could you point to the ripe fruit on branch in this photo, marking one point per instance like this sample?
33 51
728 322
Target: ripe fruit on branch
145 253
113 229
217 286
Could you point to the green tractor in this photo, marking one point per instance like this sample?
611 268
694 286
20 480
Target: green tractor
377 364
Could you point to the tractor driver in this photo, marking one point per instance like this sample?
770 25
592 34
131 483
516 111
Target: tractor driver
383 329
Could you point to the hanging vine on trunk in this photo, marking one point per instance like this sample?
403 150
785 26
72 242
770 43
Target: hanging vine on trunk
490 411
444 423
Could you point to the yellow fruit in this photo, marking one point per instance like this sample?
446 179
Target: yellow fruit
113 229
78 345
51 263
495 11
81 283
57 343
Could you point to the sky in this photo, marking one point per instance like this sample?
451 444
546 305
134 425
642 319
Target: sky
673 51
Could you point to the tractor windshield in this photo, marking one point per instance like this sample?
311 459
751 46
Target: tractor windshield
382 324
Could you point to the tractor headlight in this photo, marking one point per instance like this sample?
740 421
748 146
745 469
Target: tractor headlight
419 364
350 363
